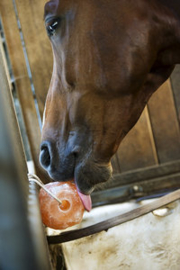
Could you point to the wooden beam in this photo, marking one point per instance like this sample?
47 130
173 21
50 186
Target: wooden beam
17 245
22 82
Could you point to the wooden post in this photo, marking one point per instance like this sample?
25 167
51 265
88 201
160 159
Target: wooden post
19 248
21 77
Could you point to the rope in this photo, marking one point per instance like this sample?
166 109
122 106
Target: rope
34 178
112 222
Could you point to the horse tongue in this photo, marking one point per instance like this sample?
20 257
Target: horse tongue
86 200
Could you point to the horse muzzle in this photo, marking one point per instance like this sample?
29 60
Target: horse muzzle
63 165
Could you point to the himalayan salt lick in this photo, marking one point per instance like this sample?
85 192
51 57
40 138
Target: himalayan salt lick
61 216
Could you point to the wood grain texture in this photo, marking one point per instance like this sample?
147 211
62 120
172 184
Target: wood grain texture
149 188
155 139
147 181
165 124
148 173
38 47
22 80
137 150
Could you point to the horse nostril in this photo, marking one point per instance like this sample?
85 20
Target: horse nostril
45 157
76 151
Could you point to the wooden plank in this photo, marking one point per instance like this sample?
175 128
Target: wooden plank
10 125
38 47
137 190
165 124
137 150
148 173
22 80
22 236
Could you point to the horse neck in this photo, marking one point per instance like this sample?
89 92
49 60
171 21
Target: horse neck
174 51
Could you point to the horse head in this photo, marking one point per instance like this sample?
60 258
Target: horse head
109 57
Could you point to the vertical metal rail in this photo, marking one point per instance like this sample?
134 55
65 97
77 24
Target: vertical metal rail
22 240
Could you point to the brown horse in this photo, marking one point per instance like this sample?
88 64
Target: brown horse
110 56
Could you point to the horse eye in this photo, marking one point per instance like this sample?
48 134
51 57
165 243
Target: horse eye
51 27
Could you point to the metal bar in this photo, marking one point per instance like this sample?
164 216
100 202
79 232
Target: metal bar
22 241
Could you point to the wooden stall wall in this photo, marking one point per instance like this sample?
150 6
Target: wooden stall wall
152 148
31 60
148 159
156 137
